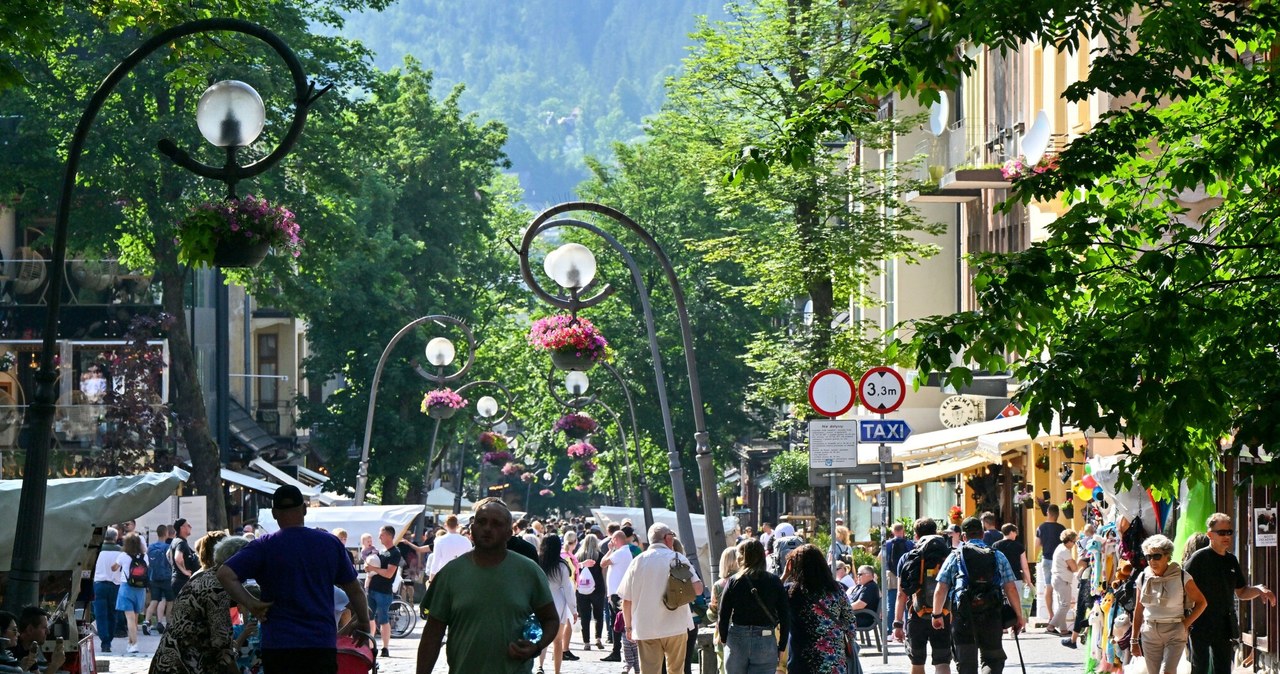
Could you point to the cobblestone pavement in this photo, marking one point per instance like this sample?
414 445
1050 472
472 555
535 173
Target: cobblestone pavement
1041 652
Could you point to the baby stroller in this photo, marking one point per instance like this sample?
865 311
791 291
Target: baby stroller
357 659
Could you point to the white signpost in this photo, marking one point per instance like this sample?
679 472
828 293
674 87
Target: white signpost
882 390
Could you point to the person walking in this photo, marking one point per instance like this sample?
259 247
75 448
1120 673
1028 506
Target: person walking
1166 605
728 569
615 564
199 638
382 569
912 612
890 554
560 584
752 606
296 568
184 559
661 634
484 599
975 577
1064 575
821 637
131 597
591 602
1015 553
106 587
1217 575
1049 536
160 578
448 547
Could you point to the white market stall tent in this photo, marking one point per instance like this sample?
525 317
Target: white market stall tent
356 520
75 506
606 514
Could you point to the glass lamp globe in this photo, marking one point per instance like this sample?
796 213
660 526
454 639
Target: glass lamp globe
577 383
486 407
440 351
572 265
230 114
547 476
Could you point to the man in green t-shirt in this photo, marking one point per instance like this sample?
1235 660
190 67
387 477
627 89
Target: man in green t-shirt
484 599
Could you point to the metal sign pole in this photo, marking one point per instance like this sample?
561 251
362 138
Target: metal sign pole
832 548
884 456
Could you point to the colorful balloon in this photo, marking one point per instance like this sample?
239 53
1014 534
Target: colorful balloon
1097 494
1089 482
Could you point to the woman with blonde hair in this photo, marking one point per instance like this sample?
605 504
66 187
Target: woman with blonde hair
841 548
1167 602
728 567
591 604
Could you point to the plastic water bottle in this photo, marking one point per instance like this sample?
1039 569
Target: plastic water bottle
532 629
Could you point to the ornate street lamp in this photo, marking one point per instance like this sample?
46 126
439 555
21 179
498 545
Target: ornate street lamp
573 268
24 576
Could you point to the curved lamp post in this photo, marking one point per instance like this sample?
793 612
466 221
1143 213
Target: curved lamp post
231 131
577 384
440 353
573 267
487 417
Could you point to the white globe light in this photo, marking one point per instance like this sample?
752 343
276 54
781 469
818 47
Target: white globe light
486 407
577 383
547 476
572 265
440 352
230 114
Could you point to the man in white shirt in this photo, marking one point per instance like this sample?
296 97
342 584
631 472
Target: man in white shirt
106 585
659 633
448 547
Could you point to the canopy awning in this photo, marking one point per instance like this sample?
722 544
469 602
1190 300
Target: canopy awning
999 444
262 466
929 473
926 448
248 482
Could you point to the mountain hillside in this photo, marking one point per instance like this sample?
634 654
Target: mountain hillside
568 77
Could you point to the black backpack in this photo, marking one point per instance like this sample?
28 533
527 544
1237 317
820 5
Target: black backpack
896 549
137 576
918 571
979 580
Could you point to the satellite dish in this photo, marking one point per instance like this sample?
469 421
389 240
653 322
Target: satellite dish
938 114
1037 139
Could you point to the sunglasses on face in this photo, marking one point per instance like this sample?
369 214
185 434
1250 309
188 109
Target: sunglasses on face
1224 532
1155 557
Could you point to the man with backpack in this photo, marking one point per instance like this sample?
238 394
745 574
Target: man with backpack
980 583
917 576
160 576
891 554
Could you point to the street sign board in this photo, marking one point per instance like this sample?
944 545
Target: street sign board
1009 410
831 393
867 473
883 430
882 390
833 444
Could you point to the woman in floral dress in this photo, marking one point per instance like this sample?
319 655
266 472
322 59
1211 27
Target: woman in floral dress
822 622
199 639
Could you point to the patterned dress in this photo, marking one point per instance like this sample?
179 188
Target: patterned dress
199 631
818 630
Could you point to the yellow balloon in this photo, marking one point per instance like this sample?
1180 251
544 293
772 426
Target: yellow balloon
1083 492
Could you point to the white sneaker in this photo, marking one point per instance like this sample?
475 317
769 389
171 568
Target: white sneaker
133 648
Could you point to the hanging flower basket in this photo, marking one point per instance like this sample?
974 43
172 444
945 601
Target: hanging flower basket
1068 510
236 233
581 450
576 426
545 492
956 515
526 477
493 442
1042 462
442 403
573 343
498 458
1068 450
511 468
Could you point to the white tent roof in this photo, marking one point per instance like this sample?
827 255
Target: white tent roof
74 506
442 499
606 514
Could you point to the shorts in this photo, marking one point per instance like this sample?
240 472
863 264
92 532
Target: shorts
162 590
131 599
380 607
920 633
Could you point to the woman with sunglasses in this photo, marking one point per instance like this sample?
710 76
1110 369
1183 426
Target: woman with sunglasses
1168 602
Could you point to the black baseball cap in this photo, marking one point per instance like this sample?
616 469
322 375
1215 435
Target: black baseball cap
286 496
971 526
177 524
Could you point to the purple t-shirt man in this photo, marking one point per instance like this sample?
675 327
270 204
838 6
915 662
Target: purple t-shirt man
296 567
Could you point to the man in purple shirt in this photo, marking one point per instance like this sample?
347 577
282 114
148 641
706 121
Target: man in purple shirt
297 569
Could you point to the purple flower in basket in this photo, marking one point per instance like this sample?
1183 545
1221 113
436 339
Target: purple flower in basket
443 397
526 477
498 458
566 334
253 217
493 441
578 425
581 450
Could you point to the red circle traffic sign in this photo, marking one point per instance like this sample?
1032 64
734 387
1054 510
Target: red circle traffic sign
831 393
882 390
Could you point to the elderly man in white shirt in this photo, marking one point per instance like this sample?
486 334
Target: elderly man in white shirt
447 548
659 633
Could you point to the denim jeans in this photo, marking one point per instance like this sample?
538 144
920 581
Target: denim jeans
750 650
891 600
105 594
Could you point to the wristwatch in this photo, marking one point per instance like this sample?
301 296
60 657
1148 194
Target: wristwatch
897 623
